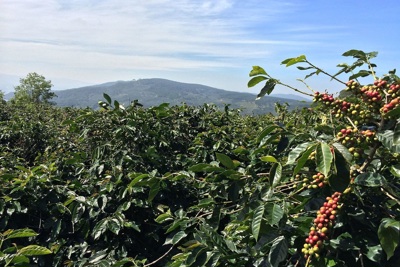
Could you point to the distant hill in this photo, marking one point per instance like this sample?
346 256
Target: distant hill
153 92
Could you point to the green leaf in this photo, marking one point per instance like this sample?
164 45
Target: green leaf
217 240
257 220
201 167
257 70
370 179
389 235
268 159
116 104
311 74
395 170
19 233
267 89
155 187
164 217
361 73
354 53
178 237
99 228
114 225
291 61
206 202
374 253
304 68
266 132
394 113
396 132
98 256
137 179
275 174
107 98
225 160
193 256
324 159
344 242
295 153
274 213
344 151
177 223
303 159
340 177
256 80
388 140
19 260
204 167
34 250
278 252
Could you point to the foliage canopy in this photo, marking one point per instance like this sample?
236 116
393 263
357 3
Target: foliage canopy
34 88
199 186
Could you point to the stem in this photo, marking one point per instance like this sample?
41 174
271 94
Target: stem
371 68
308 87
324 72
291 87
157 260
351 122
371 154
361 259
370 157
308 261
390 196
294 89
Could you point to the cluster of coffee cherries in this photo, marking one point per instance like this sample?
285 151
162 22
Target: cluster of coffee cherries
378 93
325 98
394 90
356 140
312 155
317 180
393 98
340 108
323 224
348 136
394 103
369 134
371 94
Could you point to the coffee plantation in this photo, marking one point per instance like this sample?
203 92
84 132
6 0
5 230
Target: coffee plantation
200 186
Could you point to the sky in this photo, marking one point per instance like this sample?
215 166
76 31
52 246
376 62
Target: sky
76 43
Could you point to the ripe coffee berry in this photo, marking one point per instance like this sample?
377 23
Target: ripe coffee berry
323 223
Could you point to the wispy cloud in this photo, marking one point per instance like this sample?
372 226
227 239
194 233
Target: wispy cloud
146 28
95 40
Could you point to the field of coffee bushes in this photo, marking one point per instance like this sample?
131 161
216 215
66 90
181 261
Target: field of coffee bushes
198 186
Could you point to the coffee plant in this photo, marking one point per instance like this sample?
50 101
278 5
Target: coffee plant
199 186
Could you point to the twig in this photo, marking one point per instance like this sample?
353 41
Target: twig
361 259
294 89
351 122
309 88
370 157
389 195
157 260
324 72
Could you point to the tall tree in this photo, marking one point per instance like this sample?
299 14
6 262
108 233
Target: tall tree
34 88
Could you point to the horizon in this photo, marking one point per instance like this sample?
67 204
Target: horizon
213 43
8 95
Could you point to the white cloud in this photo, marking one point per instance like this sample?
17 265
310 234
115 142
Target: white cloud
93 40
156 34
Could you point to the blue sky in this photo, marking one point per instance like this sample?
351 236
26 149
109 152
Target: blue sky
216 43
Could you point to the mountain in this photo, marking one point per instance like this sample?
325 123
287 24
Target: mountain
153 92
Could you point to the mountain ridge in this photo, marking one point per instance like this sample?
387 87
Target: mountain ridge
155 91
